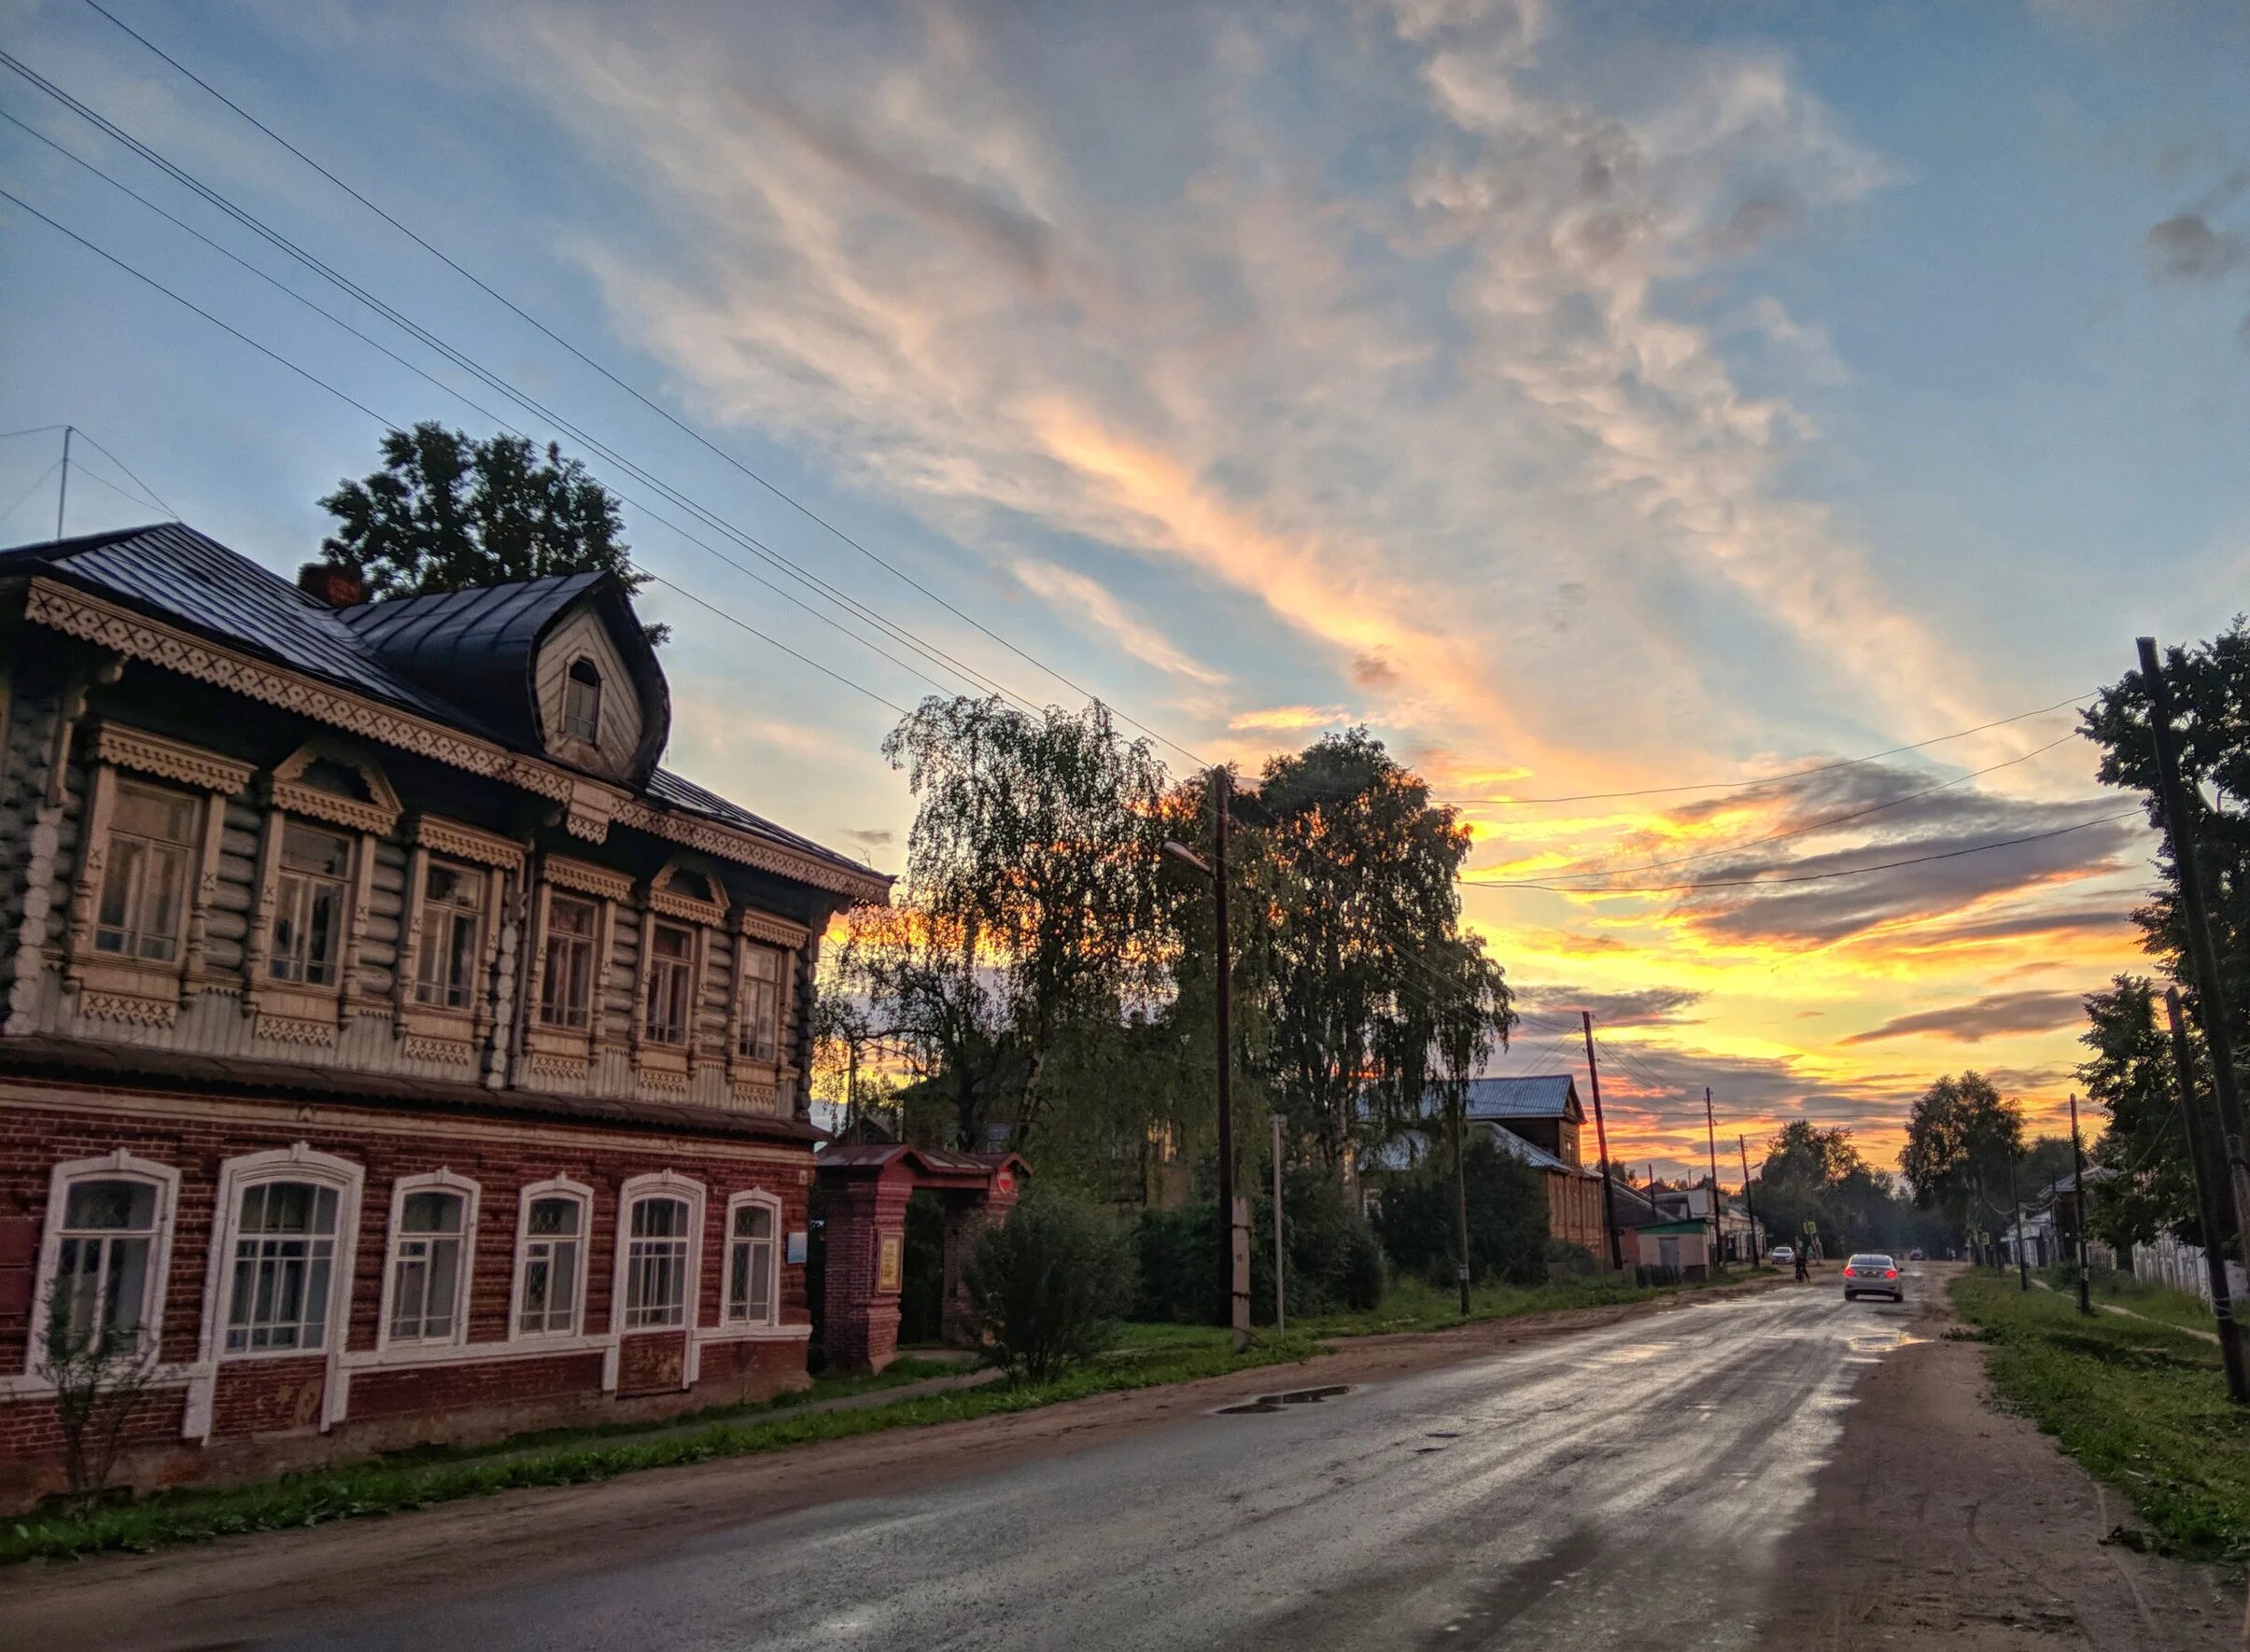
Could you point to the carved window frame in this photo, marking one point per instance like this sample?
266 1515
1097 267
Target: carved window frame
552 1052
753 1084
145 991
116 1165
471 1195
670 1066
667 1184
433 1032
559 1187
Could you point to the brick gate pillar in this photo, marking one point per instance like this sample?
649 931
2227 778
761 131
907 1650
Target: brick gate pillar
866 1223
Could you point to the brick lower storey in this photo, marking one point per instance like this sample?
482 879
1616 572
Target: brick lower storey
216 1418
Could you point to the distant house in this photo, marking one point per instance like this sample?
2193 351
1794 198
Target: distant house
1536 1119
1658 1230
1693 1204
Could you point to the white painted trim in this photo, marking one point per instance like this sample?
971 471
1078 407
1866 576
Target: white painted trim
553 1188
442 1181
668 1183
116 1165
772 1205
796 1333
235 1176
416 1354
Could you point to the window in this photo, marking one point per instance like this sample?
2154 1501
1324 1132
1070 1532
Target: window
309 904
145 883
453 913
565 991
672 967
104 1275
655 1264
750 1255
428 1252
761 968
581 701
283 1263
551 1264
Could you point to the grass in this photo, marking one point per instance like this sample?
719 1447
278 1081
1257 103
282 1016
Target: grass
1143 1355
1151 1355
2142 1406
2150 1301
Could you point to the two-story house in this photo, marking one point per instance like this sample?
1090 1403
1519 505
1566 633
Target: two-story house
386 1041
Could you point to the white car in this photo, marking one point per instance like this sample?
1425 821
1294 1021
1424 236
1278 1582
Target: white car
1781 1256
1872 1274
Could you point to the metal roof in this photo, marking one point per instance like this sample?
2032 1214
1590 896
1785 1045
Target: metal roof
1543 1094
665 787
1408 1148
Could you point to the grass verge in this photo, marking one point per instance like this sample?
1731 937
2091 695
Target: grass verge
1413 1305
2142 1406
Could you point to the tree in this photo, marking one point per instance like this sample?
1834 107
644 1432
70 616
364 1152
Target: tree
100 1373
2130 1077
1048 1286
1962 1138
446 512
1507 1219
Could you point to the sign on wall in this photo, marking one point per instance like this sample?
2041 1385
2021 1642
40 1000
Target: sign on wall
890 1262
792 1248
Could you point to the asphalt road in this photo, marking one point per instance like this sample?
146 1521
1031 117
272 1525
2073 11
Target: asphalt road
1623 1487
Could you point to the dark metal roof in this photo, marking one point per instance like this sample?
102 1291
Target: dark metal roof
667 788
1545 1094
190 578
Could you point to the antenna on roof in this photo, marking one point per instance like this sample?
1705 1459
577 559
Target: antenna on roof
62 491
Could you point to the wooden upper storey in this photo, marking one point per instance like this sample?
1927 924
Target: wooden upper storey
236 822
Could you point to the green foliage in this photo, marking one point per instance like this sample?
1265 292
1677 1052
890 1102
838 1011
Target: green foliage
2143 1405
446 512
1179 1265
1962 1138
1049 1285
2131 1076
1334 1262
1507 1220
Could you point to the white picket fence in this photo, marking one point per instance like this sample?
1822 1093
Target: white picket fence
2168 1261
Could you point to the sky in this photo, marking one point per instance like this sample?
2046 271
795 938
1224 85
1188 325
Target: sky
1650 400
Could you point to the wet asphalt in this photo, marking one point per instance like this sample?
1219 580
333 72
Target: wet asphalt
1626 1486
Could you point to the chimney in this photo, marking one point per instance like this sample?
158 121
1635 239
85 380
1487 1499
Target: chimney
332 585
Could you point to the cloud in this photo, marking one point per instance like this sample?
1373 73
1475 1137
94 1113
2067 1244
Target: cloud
871 838
1289 720
1999 1015
1087 602
2184 248
1649 1006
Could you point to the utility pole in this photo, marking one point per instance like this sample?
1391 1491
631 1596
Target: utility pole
2086 1300
1280 1296
2213 1204
1711 1137
63 493
1601 1140
2209 995
1748 1209
2023 1264
1460 1192
1234 1241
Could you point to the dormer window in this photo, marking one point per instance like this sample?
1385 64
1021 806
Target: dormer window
582 701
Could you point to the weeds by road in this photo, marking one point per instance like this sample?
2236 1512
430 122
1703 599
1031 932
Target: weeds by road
2141 1405
2151 1302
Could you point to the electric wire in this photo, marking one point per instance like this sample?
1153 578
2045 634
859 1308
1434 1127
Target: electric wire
154 498
646 401
34 488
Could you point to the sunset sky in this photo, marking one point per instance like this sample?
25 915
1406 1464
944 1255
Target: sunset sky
1588 398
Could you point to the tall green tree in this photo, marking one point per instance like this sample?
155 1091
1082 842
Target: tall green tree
445 512
1962 1140
2131 1076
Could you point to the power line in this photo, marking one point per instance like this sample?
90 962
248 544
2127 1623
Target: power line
355 404
28 430
52 467
1825 768
1820 825
630 389
154 498
1731 883
92 475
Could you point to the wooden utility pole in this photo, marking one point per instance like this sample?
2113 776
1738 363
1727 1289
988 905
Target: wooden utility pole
2023 1263
1711 1137
1601 1140
1280 1292
2086 1300
1748 1208
1235 1242
2212 1203
63 493
2211 998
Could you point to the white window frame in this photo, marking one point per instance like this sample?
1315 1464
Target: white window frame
433 921
439 1180
346 885
570 682
554 1187
118 1165
771 1205
746 947
665 1184
591 941
237 1176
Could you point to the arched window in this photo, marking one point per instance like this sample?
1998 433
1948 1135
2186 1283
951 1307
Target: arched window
581 701
753 1258
102 1269
426 1286
551 1258
656 1263
281 1269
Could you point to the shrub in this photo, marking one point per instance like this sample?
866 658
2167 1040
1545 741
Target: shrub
1507 1219
1048 1286
1179 1265
1334 1260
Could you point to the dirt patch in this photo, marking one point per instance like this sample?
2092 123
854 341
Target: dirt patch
1940 1516
240 1589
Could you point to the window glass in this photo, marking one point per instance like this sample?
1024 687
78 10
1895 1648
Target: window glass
671 952
453 913
145 881
285 1253
309 906
761 968
656 1276
547 1300
102 1282
749 1266
426 1266
581 701
566 992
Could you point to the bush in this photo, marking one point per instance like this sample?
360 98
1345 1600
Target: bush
1048 1286
1180 1277
1334 1260
1507 1220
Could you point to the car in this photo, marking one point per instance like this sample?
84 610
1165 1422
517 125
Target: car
1872 1274
1914 1256
1780 1255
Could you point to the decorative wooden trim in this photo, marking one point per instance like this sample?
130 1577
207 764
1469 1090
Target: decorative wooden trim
765 855
377 817
756 1098
194 961
704 914
772 930
598 881
129 1007
295 1030
168 760
458 842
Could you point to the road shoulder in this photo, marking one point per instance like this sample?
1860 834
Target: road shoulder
1940 1515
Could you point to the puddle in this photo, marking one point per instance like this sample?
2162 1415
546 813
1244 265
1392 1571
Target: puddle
1267 1403
1868 1347
1633 1356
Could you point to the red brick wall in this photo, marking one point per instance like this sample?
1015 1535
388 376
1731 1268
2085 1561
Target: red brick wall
259 1404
